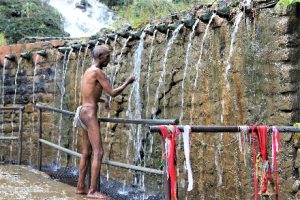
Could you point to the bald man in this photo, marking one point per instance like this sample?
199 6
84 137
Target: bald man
93 83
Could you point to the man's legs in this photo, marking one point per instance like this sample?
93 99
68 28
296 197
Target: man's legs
85 157
89 118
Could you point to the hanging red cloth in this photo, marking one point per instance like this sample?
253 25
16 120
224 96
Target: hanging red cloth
260 135
169 133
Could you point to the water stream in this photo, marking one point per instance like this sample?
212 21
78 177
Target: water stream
231 50
135 91
198 65
117 68
149 72
163 73
62 94
186 68
14 103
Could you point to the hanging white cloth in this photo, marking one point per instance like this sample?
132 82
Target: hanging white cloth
186 142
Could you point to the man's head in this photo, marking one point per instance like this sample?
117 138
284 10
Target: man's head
101 55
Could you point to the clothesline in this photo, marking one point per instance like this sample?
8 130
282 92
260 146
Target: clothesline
216 129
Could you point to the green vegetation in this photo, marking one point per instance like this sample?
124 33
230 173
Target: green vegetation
283 4
20 18
2 39
140 12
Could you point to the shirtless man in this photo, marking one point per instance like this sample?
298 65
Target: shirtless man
93 82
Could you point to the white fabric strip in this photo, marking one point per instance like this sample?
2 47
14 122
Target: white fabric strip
186 142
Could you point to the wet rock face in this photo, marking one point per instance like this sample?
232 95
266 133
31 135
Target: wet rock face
261 86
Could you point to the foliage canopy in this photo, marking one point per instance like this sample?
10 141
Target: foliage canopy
20 18
140 12
283 4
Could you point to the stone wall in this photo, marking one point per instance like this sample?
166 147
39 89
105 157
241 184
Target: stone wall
261 87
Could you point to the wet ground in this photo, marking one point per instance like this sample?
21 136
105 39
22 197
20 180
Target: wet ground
23 182
112 188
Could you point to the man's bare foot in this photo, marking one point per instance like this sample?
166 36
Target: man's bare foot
81 190
97 195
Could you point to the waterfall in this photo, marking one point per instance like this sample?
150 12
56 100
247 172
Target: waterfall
162 75
83 20
187 58
198 66
235 29
149 71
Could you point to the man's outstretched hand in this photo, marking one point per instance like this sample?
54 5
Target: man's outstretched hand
130 79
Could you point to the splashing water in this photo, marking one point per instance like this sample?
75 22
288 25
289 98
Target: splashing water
162 75
86 21
187 58
137 97
235 29
198 66
148 72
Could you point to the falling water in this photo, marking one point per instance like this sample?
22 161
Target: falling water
113 77
235 28
137 97
75 139
33 103
83 66
114 48
218 165
33 80
74 132
198 66
16 77
76 76
187 58
148 72
86 21
220 139
162 75
3 91
14 102
62 93
3 81
55 78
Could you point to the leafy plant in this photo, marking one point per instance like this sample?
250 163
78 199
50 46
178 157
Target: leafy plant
283 4
2 39
140 12
19 18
